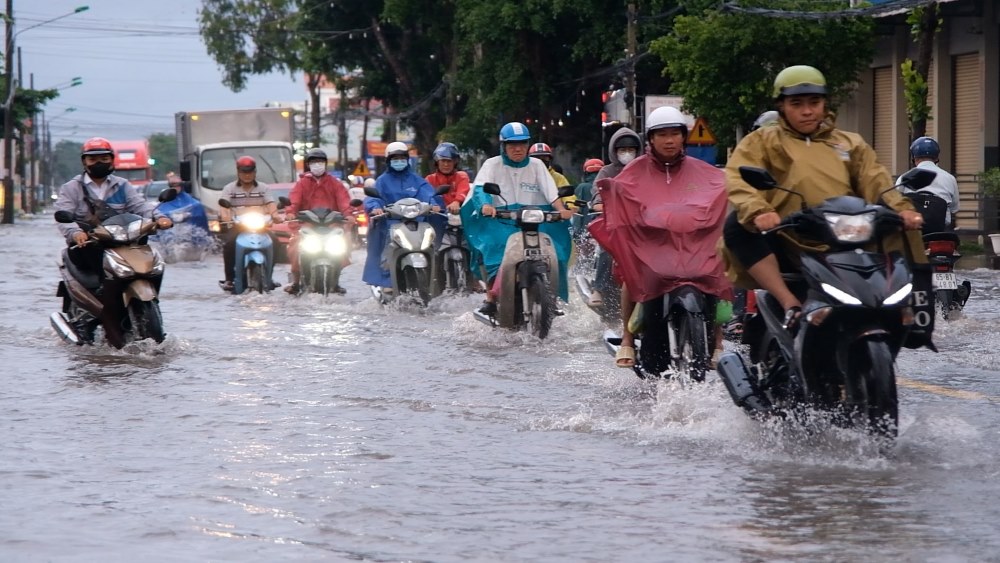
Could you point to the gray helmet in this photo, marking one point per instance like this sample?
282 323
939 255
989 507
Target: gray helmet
316 154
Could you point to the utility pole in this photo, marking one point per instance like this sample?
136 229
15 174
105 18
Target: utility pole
631 47
25 196
8 119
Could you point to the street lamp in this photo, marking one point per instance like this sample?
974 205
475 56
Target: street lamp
8 106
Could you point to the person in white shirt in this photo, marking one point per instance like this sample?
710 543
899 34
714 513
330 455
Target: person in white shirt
925 151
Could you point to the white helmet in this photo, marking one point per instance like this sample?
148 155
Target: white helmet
396 148
370 182
664 117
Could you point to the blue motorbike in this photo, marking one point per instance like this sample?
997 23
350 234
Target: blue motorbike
254 262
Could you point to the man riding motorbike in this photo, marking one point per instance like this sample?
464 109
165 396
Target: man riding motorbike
314 189
924 152
805 153
447 174
397 182
523 181
245 191
662 217
543 152
92 197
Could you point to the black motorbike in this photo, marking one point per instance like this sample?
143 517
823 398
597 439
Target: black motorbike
941 246
858 308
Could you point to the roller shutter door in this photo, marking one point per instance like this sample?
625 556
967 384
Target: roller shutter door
968 137
931 84
882 112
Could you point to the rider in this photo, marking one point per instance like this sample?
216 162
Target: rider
662 217
397 182
806 153
447 174
245 191
543 152
925 151
523 181
585 189
93 196
623 147
314 189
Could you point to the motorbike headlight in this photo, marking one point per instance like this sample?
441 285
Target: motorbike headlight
840 295
117 232
409 211
213 226
899 295
428 239
311 244
117 266
336 244
852 228
454 220
253 221
401 240
533 216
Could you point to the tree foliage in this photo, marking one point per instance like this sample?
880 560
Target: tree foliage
724 64
163 148
66 161
27 104
924 24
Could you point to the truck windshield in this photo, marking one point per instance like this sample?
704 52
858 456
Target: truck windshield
131 175
274 165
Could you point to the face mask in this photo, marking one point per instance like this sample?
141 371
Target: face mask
398 164
100 169
317 168
626 156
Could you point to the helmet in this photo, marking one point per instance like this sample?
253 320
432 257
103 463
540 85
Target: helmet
315 154
664 118
593 165
96 146
800 79
765 119
540 149
626 142
925 147
514 131
370 182
446 151
397 148
246 164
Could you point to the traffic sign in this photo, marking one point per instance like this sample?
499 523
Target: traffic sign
361 169
700 133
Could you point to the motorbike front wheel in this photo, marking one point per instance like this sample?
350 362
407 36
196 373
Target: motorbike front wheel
871 387
321 280
255 278
455 275
541 306
146 320
418 280
693 356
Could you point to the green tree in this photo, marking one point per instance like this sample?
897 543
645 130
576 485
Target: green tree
924 23
724 64
27 104
66 161
163 148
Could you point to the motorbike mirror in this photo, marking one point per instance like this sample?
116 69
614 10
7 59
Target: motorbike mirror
65 217
758 178
567 191
441 190
185 166
917 178
225 203
356 202
370 191
491 188
166 195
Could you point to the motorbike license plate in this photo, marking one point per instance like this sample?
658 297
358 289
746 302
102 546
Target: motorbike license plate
944 280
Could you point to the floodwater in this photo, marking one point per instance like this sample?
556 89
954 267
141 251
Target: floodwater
271 428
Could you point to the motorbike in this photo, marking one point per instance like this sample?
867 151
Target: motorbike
125 300
409 255
452 258
254 249
941 248
589 258
675 335
360 217
858 308
323 247
189 239
529 272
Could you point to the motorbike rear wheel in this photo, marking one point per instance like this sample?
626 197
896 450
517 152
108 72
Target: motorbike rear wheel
541 306
693 353
871 387
146 320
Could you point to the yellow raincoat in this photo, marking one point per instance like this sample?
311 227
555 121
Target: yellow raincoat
827 164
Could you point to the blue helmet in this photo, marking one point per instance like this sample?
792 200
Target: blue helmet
925 147
446 150
514 131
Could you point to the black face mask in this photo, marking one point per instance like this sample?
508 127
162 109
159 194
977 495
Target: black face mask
100 169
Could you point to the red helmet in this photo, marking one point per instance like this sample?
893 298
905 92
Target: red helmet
593 165
246 164
96 146
540 149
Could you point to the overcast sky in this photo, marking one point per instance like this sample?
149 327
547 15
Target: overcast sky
140 60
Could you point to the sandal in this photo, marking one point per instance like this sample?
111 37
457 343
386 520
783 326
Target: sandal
227 286
625 357
792 316
293 288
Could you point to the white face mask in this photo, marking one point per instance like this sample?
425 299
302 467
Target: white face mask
626 156
317 168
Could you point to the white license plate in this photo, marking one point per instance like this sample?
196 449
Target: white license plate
944 281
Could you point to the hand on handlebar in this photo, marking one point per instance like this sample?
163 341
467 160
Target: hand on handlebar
377 211
80 238
766 221
566 214
454 207
164 223
488 210
912 220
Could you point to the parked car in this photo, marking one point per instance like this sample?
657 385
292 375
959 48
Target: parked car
152 190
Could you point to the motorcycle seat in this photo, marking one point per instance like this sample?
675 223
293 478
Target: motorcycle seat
89 280
942 236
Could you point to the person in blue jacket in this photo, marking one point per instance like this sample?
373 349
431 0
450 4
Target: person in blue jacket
397 182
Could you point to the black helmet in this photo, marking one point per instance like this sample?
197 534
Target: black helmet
627 142
316 154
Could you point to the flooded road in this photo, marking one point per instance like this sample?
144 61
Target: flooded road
272 428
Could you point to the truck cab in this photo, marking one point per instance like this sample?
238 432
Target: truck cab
132 162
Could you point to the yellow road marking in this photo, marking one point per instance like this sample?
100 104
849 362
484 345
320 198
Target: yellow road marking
945 391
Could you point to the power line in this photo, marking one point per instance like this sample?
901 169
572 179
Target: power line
884 9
